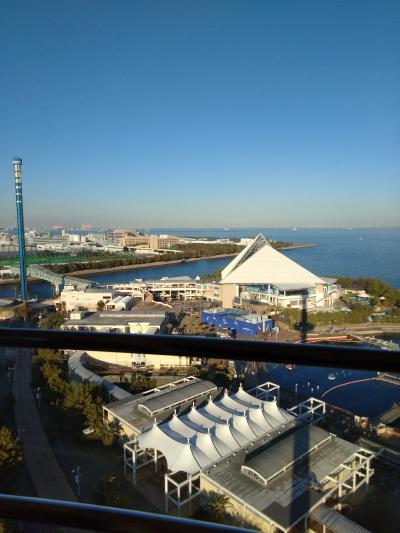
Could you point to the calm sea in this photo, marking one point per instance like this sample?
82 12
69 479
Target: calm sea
339 252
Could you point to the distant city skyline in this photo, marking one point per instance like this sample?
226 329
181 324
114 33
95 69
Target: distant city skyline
201 115
149 229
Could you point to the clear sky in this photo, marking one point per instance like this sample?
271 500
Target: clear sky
201 113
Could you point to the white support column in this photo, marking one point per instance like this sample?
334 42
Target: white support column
166 493
155 459
340 496
134 466
179 499
190 493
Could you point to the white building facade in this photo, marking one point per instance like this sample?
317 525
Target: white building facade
262 274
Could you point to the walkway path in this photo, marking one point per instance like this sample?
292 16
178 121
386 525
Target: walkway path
46 474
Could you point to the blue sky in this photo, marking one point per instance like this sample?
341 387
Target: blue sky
201 113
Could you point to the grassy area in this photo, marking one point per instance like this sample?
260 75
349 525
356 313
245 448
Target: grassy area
61 258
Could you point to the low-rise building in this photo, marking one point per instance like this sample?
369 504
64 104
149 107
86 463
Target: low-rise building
118 235
132 241
242 324
137 413
161 242
73 298
121 303
147 319
174 288
118 321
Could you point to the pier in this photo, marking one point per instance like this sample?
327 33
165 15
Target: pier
394 379
388 417
351 336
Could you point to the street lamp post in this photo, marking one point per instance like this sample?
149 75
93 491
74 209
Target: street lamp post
77 478
38 395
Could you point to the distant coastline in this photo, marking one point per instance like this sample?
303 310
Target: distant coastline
294 246
150 265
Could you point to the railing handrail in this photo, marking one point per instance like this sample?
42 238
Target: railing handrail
330 356
100 518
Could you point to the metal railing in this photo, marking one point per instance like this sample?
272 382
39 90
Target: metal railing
100 518
329 356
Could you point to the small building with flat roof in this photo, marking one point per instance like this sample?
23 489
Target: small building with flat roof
141 319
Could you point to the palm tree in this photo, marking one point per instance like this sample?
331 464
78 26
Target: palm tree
217 506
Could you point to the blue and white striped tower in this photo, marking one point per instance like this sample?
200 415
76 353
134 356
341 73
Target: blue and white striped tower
17 163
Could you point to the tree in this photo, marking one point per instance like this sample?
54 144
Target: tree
8 526
45 355
169 327
218 505
10 456
142 383
110 491
52 320
100 305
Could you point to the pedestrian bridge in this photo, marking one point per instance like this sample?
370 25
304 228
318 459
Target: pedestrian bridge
58 280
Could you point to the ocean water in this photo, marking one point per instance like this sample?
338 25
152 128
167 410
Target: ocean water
367 398
338 252
373 252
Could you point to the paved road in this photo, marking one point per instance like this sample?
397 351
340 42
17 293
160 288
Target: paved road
46 474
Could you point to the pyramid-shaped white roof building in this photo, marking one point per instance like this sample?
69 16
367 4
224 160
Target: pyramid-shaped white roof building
259 263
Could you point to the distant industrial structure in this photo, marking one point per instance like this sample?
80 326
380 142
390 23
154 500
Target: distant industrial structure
17 164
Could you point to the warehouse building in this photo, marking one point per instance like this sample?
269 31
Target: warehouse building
237 321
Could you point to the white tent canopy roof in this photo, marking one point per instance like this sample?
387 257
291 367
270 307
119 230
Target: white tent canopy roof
201 437
260 263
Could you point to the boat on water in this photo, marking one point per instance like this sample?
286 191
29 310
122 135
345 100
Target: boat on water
331 377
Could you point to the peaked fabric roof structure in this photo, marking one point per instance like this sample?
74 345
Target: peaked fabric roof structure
203 436
260 263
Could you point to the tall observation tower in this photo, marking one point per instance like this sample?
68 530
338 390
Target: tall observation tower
17 164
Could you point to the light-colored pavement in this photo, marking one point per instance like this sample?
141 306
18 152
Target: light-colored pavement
46 474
